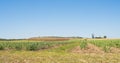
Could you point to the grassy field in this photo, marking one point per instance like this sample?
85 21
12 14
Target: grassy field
71 51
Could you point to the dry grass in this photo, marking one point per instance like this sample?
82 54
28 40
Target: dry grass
53 57
49 39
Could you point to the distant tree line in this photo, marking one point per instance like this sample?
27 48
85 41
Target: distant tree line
10 39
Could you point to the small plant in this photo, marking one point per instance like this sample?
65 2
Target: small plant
106 49
83 44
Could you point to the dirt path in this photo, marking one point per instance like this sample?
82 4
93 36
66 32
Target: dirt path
89 49
114 50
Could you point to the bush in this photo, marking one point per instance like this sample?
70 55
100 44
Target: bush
1 47
32 47
83 44
18 47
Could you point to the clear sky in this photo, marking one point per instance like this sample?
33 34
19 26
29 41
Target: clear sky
31 18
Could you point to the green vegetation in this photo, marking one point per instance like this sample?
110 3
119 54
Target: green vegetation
83 44
25 51
106 44
29 45
1 47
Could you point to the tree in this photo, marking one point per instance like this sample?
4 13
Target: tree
93 36
105 37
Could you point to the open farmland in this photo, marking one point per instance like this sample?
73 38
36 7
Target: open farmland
48 39
71 51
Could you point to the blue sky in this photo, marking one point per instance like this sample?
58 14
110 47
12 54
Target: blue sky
31 18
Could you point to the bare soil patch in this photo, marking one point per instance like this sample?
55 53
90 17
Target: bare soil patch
94 49
114 50
49 39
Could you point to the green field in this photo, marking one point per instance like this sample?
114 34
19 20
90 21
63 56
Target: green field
71 51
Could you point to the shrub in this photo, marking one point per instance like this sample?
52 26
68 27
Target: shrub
32 47
83 44
1 47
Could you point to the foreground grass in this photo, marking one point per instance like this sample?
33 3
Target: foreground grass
55 57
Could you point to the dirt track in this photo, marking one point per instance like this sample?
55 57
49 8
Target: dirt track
93 49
